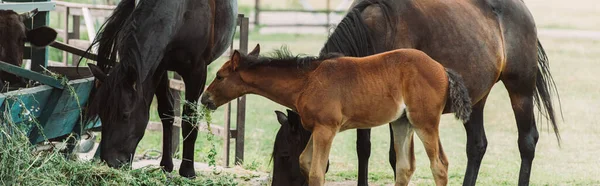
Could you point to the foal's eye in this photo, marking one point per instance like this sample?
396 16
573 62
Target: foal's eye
219 77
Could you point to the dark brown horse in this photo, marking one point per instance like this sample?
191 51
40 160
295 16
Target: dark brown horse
148 40
289 143
486 41
333 94
13 36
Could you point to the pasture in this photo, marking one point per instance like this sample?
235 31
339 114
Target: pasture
574 64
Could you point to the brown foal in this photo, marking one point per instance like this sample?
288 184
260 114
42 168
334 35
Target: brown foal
335 93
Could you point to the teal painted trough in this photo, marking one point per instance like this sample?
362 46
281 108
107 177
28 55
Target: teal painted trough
54 109
47 111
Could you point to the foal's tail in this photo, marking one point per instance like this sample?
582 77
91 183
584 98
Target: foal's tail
458 95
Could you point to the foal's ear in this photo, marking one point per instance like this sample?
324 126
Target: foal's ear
281 117
97 72
235 59
255 51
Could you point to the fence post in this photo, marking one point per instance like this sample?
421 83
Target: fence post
256 12
241 104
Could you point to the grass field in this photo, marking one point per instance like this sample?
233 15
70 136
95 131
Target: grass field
574 64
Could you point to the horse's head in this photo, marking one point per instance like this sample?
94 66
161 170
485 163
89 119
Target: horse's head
229 82
122 111
13 35
290 142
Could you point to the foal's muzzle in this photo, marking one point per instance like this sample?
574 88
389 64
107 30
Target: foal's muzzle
205 100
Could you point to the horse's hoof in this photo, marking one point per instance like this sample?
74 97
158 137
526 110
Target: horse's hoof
187 172
166 166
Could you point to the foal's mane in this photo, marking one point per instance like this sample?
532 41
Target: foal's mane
353 38
283 58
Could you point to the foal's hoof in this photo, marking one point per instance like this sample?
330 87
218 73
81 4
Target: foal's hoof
187 171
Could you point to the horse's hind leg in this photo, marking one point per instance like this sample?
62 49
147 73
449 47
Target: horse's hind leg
521 98
426 126
165 111
363 149
476 142
403 143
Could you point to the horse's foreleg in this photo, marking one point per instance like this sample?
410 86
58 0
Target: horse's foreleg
322 138
194 86
403 150
363 149
392 152
165 111
476 143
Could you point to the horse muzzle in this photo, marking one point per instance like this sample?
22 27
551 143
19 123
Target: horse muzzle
206 101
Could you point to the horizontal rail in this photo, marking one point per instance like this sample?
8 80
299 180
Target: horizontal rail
80 5
302 11
28 74
74 50
24 7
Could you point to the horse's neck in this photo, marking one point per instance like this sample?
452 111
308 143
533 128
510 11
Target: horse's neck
281 85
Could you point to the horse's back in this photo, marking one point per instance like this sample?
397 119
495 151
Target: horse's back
207 29
467 36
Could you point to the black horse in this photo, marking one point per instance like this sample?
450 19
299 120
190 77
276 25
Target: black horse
148 40
485 41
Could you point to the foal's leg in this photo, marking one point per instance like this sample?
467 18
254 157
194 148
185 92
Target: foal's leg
363 149
426 126
319 145
476 142
403 146
165 111
194 86
521 98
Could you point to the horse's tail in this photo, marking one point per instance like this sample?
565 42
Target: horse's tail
544 86
107 37
458 95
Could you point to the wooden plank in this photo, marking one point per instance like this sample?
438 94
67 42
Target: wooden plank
64 116
176 84
241 102
72 73
216 129
65 34
80 43
44 79
28 6
226 138
73 50
24 104
81 5
89 24
39 56
177 111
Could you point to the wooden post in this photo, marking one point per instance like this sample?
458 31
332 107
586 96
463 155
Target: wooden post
241 102
65 35
177 111
328 11
256 12
75 35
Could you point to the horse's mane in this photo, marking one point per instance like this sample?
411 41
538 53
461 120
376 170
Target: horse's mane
108 40
352 37
283 58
